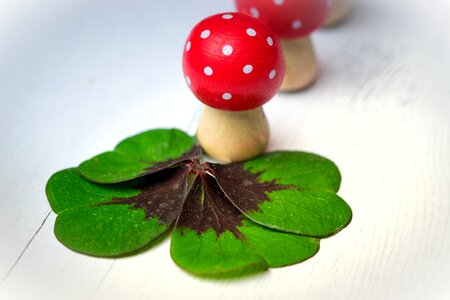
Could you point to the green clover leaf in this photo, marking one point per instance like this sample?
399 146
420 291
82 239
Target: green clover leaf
107 220
212 236
267 212
140 155
288 191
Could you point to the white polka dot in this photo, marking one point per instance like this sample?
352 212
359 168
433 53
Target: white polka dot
227 50
254 12
205 34
247 69
227 96
188 80
208 71
278 2
297 24
251 31
188 46
272 74
270 41
227 16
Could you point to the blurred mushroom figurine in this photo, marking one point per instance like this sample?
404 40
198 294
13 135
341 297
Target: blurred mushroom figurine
292 21
339 10
234 64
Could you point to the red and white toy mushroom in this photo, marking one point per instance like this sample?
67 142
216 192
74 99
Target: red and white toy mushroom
339 11
234 64
293 21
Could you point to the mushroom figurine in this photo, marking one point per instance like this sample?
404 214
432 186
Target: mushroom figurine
293 21
233 63
339 10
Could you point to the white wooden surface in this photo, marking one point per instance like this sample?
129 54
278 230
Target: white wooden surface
78 76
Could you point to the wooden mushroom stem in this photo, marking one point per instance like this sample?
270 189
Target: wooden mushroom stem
231 136
338 12
301 64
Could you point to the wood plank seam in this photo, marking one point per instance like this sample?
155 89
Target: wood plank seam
24 250
103 279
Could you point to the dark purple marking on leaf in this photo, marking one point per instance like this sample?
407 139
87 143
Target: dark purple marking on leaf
194 153
207 207
162 195
217 198
243 187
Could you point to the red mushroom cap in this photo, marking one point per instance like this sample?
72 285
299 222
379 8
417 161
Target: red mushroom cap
233 62
288 18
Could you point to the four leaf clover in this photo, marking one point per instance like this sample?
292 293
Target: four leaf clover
271 211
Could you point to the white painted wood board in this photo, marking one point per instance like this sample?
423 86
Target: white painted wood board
78 76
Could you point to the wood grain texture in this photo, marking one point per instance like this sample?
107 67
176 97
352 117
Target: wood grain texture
75 78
